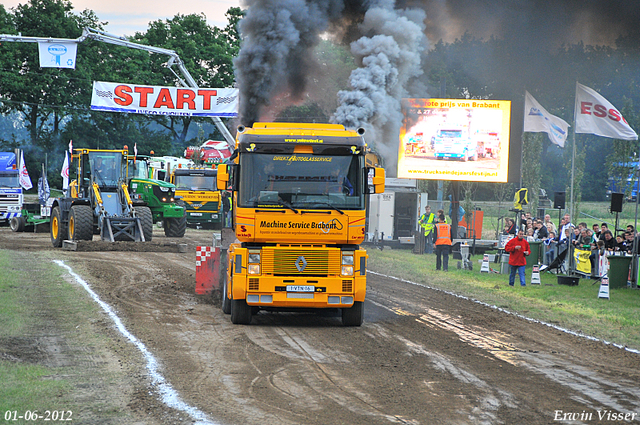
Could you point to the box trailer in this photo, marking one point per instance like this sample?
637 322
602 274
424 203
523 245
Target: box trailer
393 215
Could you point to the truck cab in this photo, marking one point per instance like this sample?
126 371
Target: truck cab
299 195
11 197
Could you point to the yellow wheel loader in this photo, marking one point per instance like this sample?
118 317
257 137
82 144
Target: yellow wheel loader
98 202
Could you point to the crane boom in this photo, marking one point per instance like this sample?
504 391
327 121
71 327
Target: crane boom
94 34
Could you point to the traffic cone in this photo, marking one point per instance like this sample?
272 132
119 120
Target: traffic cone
535 275
604 288
485 264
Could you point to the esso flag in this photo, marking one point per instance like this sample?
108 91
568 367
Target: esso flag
596 115
157 100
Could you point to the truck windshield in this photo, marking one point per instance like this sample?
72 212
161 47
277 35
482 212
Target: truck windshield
301 180
9 180
195 182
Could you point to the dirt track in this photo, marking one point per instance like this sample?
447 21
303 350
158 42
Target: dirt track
421 357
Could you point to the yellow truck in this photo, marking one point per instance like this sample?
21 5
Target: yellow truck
299 196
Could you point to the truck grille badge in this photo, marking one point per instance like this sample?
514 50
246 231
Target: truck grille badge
301 263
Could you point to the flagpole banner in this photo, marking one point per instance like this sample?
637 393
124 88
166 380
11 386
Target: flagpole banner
537 119
157 100
65 172
596 115
25 180
57 55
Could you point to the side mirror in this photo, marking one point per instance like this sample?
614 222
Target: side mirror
375 180
223 177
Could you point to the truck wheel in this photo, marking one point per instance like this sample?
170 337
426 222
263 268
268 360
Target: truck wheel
80 226
146 219
58 228
175 227
240 312
17 224
354 315
226 302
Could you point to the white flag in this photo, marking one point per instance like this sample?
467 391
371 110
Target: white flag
65 172
537 119
57 55
70 147
25 180
595 115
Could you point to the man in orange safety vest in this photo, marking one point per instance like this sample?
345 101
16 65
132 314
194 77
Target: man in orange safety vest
443 244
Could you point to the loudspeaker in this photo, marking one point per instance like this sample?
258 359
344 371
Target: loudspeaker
616 202
558 200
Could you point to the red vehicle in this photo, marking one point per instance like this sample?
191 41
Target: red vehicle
211 152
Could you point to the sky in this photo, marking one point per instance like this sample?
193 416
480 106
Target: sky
126 17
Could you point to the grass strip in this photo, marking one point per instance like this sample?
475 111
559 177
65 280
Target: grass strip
577 308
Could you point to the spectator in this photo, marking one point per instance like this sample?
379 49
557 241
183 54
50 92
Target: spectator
547 222
596 232
540 232
530 237
510 226
630 228
609 241
565 224
428 222
443 244
518 249
550 248
603 228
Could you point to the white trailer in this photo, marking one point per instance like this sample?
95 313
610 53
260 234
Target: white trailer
393 215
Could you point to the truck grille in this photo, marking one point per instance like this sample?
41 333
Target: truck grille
312 262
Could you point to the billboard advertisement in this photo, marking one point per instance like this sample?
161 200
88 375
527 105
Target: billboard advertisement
455 139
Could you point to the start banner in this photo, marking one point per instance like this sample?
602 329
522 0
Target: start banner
157 100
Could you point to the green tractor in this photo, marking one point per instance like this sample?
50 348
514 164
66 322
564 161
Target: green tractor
158 195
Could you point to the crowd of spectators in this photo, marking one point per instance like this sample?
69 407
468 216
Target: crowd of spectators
555 240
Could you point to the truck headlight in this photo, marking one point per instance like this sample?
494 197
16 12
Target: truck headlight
347 270
164 189
254 262
347 259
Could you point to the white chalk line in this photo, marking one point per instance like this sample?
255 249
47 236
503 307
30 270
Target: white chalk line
495 307
168 394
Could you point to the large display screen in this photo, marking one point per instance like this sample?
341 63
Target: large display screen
455 139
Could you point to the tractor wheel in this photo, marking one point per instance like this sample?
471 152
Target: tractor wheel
58 228
146 219
17 224
354 315
175 227
240 312
80 226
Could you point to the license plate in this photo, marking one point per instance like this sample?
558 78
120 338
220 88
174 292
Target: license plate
195 214
301 288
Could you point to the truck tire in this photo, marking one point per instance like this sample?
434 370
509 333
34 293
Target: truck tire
17 224
240 312
58 228
146 219
226 302
80 227
353 316
175 227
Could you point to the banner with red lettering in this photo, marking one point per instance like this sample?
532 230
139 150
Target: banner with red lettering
595 115
157 100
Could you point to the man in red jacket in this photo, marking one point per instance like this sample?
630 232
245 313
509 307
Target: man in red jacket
518 249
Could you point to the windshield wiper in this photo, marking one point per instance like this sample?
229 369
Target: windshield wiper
330 206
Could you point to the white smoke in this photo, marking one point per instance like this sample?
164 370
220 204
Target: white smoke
389 59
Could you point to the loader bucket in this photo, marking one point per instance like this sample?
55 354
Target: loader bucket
121 229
